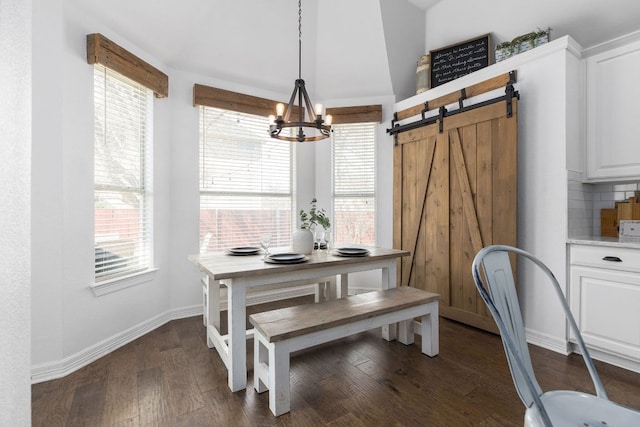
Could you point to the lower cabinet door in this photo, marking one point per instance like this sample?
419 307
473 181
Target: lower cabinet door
606 306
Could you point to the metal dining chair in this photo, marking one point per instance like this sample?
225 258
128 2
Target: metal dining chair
493 276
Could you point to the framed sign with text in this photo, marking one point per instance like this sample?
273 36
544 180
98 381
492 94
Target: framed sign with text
450 62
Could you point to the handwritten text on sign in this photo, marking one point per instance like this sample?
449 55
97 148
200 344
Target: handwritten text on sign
456 61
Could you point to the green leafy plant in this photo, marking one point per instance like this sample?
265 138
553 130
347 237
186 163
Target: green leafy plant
315 216
533 38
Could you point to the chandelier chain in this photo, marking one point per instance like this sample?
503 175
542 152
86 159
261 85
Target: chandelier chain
299 39
299 19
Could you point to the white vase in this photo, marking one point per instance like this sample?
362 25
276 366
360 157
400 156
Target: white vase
302 241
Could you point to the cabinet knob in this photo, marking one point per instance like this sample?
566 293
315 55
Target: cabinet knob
612 259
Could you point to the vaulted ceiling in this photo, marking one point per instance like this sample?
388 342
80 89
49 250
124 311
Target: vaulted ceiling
351 48
256 41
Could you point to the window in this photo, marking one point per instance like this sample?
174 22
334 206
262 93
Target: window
246 181
354 190
122 138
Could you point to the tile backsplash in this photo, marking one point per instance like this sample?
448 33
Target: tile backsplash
586 200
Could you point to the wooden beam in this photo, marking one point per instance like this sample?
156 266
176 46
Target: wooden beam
234 101
453 97
357 114
228 100
101 50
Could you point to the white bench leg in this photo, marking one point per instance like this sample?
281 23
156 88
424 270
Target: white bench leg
271 372
260 361
430 331
279 387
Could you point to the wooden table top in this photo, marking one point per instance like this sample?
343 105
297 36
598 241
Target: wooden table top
223 266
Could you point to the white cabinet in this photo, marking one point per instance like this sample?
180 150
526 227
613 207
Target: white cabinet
605 301
613 124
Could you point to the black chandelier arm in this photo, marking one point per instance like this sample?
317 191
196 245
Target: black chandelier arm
289 108
311 111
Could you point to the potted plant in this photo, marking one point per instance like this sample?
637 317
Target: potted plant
522 43
314 217
302 239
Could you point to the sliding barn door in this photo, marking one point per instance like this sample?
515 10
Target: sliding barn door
455 191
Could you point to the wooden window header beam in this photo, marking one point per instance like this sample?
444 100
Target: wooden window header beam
358 114
219 98
208 96
101 50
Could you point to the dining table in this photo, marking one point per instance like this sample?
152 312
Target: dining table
239 274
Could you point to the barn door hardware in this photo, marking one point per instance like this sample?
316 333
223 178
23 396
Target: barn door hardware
507 81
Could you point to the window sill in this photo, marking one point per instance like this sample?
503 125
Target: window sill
119 283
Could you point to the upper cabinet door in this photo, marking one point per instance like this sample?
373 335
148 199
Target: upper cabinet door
613 115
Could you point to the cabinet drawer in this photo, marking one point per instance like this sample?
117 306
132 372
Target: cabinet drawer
626 259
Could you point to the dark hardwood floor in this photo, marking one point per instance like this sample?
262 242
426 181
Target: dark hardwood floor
170 378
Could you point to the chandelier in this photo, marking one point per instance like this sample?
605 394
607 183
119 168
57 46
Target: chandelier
317 127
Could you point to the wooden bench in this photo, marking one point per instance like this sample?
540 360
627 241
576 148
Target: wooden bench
280 332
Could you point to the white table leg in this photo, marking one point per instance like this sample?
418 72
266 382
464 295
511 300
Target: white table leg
405 332
342 291
236 297
213 307
331 288
205 301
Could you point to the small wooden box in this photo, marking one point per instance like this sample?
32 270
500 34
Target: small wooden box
609 222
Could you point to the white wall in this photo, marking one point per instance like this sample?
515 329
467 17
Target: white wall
15 181
587 22
401 22
71 325
46 202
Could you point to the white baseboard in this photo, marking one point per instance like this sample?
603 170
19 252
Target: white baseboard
547 341
58 369
620 361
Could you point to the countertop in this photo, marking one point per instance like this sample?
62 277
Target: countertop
615 242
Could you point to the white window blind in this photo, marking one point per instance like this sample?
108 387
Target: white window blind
246 181
122 135
354 190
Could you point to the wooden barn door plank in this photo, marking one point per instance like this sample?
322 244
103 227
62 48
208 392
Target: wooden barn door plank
436 238
416 173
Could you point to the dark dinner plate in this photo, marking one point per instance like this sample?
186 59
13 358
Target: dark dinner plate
351 252
243 250
287 258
